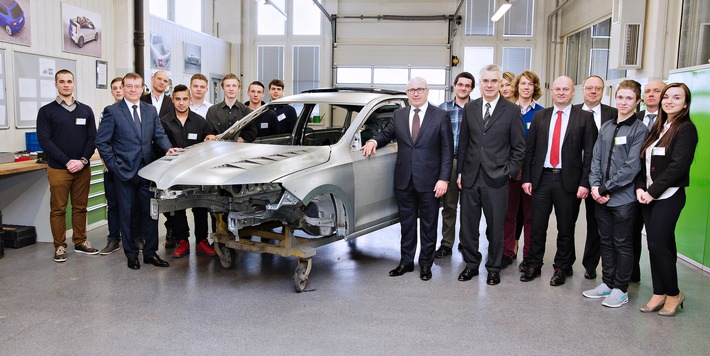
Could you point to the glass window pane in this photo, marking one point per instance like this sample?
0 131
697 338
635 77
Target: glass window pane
391 76
270 64
478 17
694 47
432 76
345 75
598 61
271 17
158 8
436 96
475 58
519 19
306 18
516 60
306 68
189 14
572 60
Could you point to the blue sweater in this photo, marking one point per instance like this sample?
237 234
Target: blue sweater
65 135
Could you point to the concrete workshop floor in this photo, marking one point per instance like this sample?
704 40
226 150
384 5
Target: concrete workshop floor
95 305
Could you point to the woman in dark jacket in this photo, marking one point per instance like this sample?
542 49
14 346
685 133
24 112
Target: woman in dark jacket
660 188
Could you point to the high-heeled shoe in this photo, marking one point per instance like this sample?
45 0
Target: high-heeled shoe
650 309
675 302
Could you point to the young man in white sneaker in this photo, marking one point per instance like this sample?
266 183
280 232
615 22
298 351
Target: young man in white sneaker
616 161
66 131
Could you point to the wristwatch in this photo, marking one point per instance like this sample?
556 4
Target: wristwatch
84 161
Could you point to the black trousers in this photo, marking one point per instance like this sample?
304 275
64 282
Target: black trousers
551 194
636 239
201 227
617 250
494 204
661 217
134 204
412 205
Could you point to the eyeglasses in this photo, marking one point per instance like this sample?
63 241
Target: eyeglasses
593 88
416 90
467 86
131 86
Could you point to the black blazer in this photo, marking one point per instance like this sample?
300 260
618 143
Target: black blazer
165 109
608 113
577 147
428 160
673 168
497 150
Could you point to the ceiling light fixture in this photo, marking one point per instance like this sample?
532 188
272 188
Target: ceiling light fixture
501 11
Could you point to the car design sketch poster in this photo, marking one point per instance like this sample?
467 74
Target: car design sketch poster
159 51
193 58
15 22
82 31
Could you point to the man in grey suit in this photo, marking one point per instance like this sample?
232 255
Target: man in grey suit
593 88
558 156
425 151
125 141
491 150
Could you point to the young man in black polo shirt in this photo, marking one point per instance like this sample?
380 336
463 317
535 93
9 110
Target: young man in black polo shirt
185 128
66 131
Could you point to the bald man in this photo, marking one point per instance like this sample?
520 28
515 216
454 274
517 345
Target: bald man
556 168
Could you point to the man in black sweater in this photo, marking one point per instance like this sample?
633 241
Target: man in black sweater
66 131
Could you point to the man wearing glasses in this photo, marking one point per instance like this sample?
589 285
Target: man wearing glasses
422 172
463 85
491 150
593 90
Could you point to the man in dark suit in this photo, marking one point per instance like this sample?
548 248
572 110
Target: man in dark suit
125 142
163 104
425 151
593 90
491 149
652 98
556 169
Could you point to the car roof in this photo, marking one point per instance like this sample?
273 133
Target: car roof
8 3
342 98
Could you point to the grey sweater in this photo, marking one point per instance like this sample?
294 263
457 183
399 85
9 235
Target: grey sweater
616 160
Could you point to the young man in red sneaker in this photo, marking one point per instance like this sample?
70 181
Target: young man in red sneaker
185 128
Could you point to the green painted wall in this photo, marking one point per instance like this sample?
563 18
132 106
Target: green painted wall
693 230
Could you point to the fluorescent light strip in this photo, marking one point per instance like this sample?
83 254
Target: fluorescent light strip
501 11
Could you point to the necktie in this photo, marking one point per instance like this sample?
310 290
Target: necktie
651 119
555 149
416 122
137 120
487 115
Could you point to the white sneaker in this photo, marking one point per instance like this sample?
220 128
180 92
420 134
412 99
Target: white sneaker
601 291
616 298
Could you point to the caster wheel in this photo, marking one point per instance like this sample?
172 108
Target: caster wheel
300 277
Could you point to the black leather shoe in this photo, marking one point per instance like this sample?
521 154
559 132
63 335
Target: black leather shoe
467 274
523 266
400 270
558 278
590 273
493 278
156 261
506 261
443 251
425 274
530 274
134 264
569 272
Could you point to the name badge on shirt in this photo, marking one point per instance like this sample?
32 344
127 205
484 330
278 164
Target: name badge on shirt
264 125
528 125
192 136
621 140
658 151
281 117
80 121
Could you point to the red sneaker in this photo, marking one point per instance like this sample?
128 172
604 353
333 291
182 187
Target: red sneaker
203 247
182 249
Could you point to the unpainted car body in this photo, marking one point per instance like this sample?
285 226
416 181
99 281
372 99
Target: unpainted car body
314 179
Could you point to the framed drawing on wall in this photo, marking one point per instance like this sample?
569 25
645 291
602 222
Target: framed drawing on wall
101 74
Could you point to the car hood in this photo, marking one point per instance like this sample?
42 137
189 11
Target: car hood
227 163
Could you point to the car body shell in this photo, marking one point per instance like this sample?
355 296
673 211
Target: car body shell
323 189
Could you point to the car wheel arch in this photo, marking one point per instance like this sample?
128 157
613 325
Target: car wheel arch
338 202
